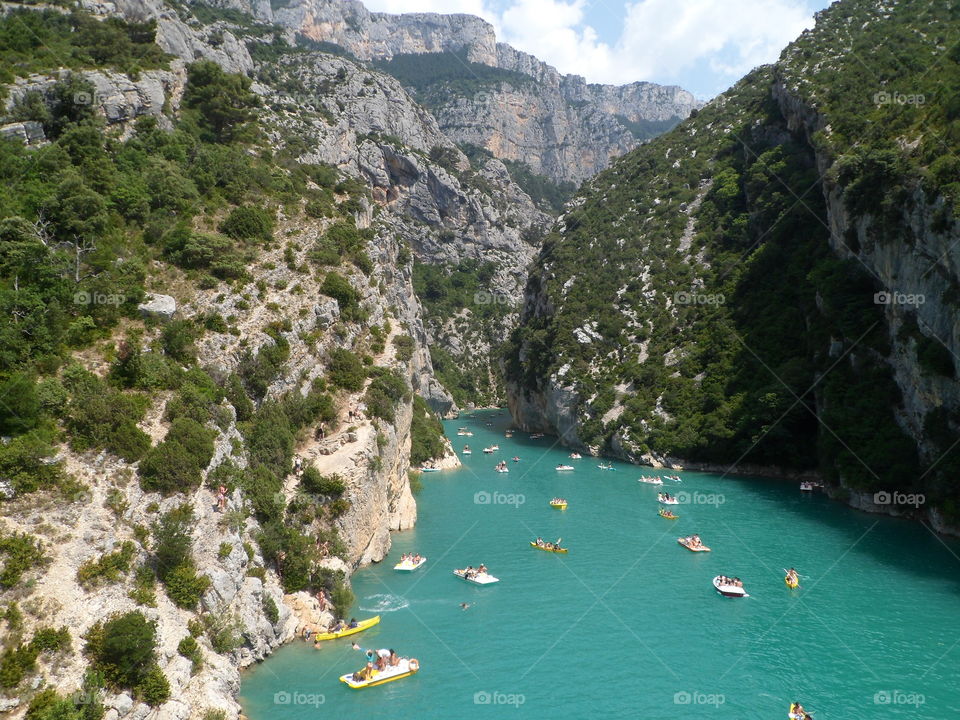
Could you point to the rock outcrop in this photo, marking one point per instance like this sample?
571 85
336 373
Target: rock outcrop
559 125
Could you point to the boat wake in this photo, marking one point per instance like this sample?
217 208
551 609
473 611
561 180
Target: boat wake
383 603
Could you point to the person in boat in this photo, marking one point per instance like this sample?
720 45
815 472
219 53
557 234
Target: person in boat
353 623
792 575
695 540
338 626
364 674
482 569
394 659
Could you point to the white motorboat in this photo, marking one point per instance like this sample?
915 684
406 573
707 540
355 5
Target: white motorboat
477 578
727 588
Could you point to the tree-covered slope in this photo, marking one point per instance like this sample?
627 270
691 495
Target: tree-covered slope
713 296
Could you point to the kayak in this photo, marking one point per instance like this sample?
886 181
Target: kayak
546 549
559 506
693 548
361 626
728 590
426 469
667 514
408 565
792 584
606 467
405 668
480 579
565 467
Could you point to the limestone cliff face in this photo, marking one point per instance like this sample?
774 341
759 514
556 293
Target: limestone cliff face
559 125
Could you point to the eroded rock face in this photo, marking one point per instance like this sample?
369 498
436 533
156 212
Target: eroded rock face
118 99
559 125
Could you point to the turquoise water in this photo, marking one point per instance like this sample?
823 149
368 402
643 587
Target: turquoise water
628 624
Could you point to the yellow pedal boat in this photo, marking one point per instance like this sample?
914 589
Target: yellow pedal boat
559 506
405 668
548 549
361 626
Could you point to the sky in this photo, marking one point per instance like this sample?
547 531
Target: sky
702 45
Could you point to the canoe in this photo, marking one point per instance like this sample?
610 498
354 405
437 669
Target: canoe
361 626
559 506
405 668
663 513
606 467
546 549
699 548
481 579
728 590
792 584
407 566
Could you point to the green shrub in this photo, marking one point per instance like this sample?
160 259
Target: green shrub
20 553
144 587
171 540
249 223
24 461
339 288
345 370
177 339
155 688
313 482
270 609
382 395
190 649
224 632
109 567
342 598
426 434
225 549
184 587
99 416
122 648
176 464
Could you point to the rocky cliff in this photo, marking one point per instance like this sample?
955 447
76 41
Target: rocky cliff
777 287
558 125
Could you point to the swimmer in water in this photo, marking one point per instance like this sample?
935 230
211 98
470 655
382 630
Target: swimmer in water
464 606
355 646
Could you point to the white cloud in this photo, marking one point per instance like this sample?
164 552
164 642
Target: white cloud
659 40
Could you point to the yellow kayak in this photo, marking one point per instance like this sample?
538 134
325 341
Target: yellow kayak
361 626
667 514
546 549
561 506
792 584
406 668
